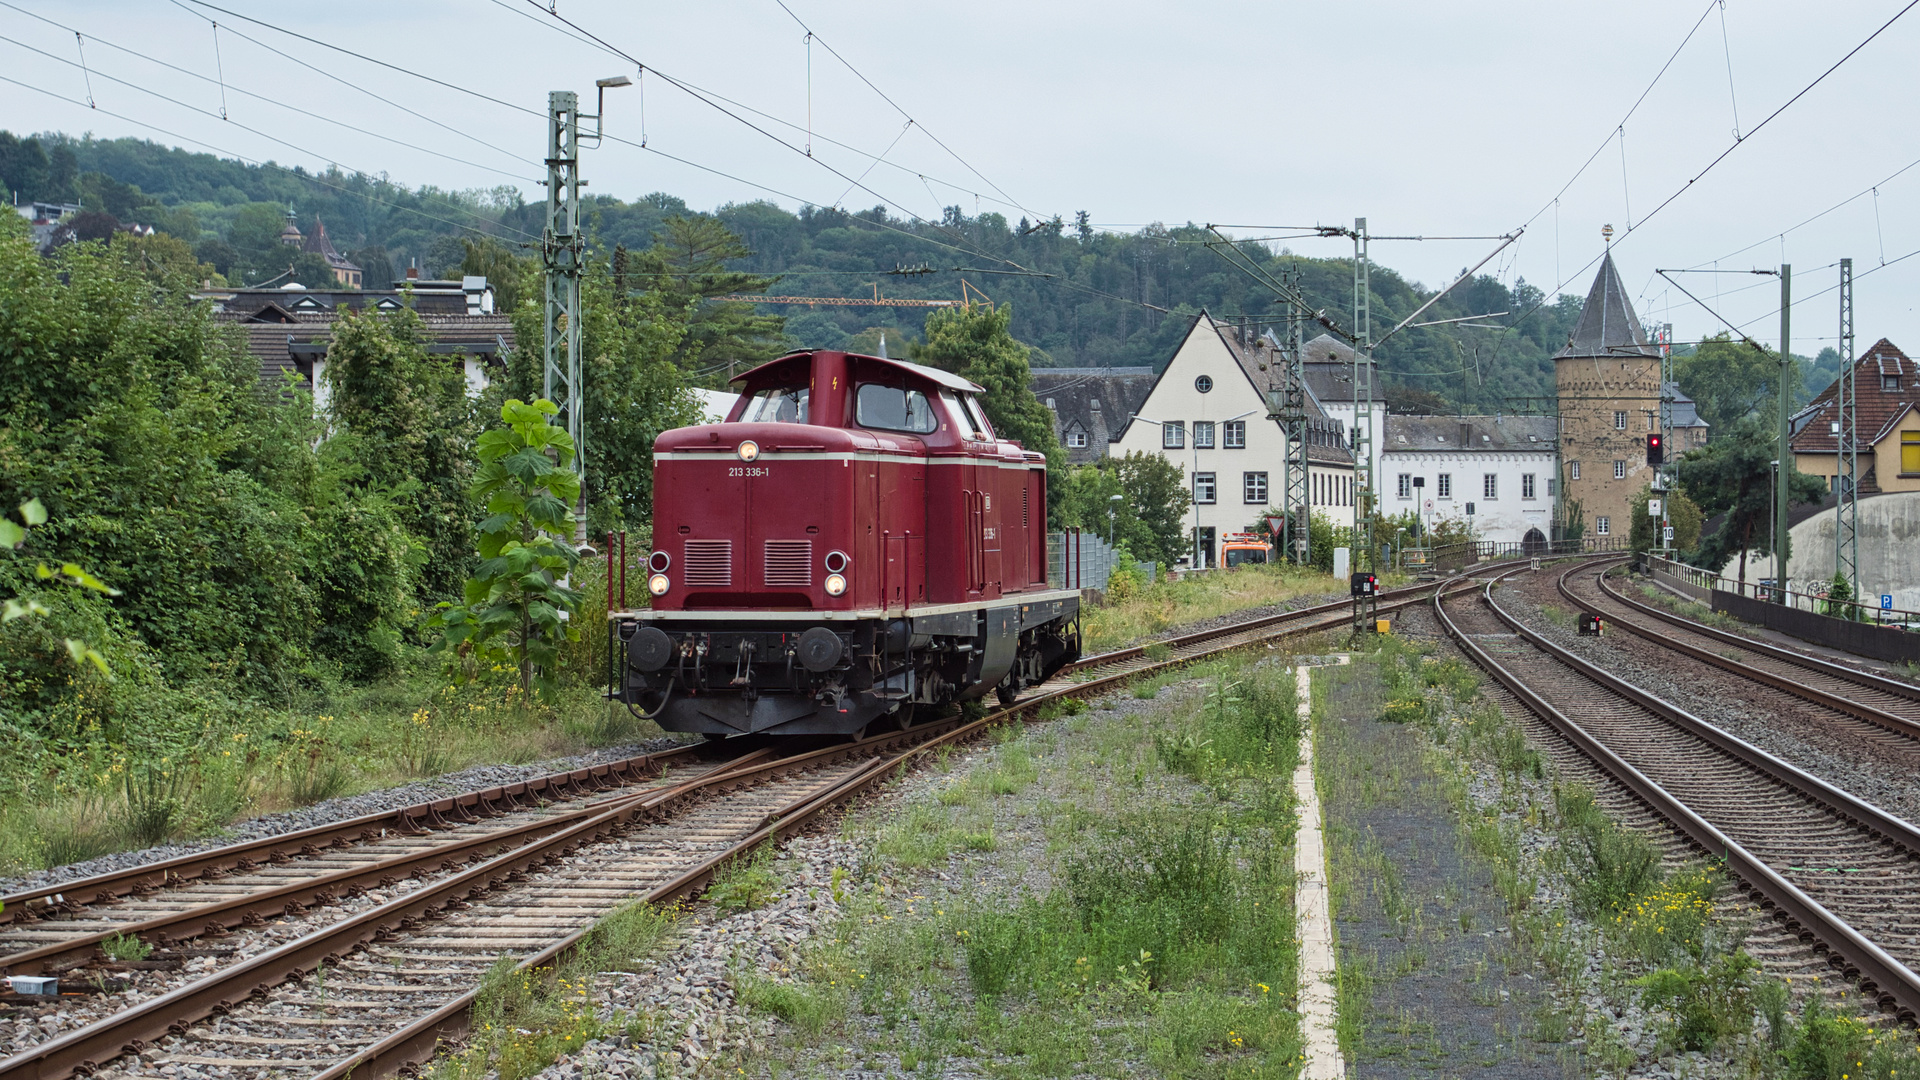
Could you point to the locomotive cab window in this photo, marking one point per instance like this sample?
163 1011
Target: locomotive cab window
777 405
892 408
973 422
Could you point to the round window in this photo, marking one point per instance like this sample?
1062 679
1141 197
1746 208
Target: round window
1203 384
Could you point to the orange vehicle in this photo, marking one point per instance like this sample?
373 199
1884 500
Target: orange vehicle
1242 548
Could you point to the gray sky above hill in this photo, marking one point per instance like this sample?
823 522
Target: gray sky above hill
1430 119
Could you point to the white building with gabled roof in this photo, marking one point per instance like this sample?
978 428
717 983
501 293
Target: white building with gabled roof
1207 414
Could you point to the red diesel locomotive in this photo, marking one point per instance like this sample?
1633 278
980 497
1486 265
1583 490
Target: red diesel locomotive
851 543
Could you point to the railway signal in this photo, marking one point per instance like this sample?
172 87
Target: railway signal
1656 449
1590 624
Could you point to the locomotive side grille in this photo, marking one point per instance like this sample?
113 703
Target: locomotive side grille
789 562
709 562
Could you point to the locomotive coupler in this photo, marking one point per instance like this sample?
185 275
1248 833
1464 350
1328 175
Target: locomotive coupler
743 667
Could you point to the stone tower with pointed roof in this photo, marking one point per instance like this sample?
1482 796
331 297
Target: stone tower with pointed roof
1608 381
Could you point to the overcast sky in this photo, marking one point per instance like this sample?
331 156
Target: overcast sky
1431 119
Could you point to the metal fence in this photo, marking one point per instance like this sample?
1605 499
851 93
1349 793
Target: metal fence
1083 560
1450 557
1813 599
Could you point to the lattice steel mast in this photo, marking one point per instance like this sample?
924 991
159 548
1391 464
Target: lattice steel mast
1289 401
1846 534
563 253
1362 399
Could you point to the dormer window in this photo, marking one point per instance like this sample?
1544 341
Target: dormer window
1889 382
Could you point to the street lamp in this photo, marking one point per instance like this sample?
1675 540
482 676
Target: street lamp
1111 510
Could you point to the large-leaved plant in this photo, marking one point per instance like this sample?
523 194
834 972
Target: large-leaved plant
517 603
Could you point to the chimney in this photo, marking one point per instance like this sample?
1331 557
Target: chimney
1099 438
413 273
1466 433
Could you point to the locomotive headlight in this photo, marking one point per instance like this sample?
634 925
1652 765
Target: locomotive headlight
749 450
836 584
657 584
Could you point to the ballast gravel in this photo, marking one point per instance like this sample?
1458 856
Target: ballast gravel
1784 731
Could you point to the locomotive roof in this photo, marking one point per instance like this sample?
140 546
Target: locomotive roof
934 375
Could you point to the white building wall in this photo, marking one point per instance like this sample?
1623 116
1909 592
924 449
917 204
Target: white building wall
1175 398
1343 413
1504 518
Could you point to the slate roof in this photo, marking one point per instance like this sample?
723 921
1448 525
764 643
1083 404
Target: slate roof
1262 359
323 247
1608 327
1095 400
1329 369
1878 409
1685 414
1468 433
281 347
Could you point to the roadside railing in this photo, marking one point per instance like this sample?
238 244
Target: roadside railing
1814 599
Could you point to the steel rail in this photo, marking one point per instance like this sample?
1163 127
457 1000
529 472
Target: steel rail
416 819
1893 984
417 1042
83 1050
1392 600
250 909
1868 679
1859 710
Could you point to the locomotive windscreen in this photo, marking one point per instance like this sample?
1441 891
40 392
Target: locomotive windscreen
777 405
891 408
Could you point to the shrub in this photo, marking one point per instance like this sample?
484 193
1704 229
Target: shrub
1708 1002
1605 866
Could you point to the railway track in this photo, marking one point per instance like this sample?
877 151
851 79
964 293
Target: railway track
1890 705
1838 870
376 991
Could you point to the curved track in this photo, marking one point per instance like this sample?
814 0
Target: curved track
375 992
1888 704
1839 869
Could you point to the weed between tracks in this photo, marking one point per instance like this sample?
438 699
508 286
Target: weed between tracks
525 1019
1592 903
1133 909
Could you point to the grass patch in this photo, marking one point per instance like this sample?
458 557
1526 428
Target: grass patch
1157 934
222 760
1170 602
744 884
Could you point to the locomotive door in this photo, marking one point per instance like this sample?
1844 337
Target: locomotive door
974 523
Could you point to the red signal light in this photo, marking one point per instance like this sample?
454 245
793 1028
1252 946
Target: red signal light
1656 450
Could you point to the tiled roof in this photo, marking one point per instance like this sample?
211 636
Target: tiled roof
1608 327
1878 409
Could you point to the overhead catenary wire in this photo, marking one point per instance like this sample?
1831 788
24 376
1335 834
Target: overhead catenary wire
307 177
224 86
207 113
812 36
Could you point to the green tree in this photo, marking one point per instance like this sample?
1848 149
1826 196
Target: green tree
1149 518
1684 513
1733 476
408 426
690 264
634 390
1728 379
517 609
141 425
975 342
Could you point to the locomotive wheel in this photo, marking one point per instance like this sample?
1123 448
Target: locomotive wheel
715 736
1008 690
904 715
